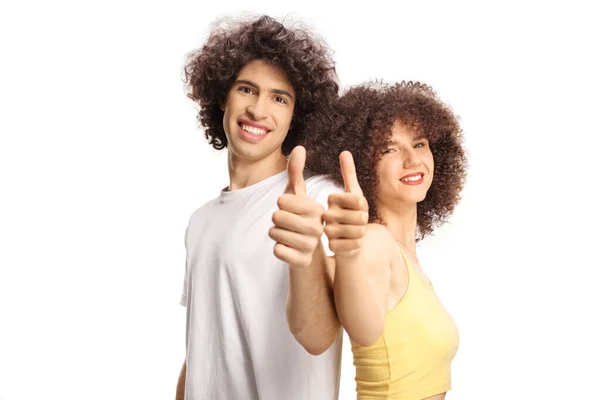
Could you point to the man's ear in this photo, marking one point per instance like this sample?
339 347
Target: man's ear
223 103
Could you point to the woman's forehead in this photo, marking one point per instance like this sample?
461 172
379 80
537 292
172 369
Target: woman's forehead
403 131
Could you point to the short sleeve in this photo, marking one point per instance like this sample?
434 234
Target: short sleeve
184 292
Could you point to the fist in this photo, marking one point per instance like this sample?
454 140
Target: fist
348 214
298 224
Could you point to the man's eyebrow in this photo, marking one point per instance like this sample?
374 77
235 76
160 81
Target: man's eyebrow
246 82
420 136
255 86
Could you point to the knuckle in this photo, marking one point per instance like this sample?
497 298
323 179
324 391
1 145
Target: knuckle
364 218
333 245
358 201
316 229
309 245
278 251
315 242
276 217
283 201
280 201
330 200
336 198
320 210
364 204
329 230
361 231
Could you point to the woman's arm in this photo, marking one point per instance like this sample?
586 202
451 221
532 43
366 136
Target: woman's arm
362 272
361 287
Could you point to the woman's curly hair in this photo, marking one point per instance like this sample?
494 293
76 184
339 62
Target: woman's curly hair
306 60
361 121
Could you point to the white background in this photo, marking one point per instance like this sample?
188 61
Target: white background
101 163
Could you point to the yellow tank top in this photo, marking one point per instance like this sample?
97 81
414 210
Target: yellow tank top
411 359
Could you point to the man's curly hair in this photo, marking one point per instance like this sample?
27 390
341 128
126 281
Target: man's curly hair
306 60
361 121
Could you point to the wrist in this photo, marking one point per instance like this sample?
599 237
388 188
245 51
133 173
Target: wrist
313 267
348 255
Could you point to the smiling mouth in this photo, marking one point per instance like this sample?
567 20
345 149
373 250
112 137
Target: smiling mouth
253 130
414 178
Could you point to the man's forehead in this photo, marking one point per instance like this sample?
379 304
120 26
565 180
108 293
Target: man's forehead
265 76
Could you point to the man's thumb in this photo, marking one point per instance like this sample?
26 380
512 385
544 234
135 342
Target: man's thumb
295 170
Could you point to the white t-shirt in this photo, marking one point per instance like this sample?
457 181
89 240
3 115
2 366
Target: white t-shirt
238 343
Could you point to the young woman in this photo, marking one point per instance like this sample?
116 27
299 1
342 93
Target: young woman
398 152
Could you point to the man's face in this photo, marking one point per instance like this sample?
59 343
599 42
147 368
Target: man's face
258 111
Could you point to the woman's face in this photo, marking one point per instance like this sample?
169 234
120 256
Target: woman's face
405 170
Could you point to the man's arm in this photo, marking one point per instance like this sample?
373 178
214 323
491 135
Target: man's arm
180 392
310 308
297 232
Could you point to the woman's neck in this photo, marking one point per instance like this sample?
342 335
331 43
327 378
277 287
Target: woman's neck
402 223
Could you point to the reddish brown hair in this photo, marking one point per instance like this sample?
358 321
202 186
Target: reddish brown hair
361 121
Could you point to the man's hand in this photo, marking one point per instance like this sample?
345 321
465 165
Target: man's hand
298 222
348 213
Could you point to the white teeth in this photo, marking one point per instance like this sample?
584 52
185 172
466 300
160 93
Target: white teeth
412 178
253 130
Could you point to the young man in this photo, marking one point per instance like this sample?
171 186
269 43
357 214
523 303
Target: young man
255 82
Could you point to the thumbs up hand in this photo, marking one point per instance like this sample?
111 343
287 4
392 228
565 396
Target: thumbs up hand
295 170
298 222
348 214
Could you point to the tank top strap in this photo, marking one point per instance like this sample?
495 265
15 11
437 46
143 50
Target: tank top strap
403 255
412 272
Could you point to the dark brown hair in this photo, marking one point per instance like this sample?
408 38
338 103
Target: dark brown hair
361 121
211 70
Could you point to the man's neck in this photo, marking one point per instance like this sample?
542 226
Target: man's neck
244 172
